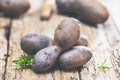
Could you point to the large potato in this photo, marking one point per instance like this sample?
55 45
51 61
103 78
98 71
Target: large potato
14 7
90 10
75 57
67 33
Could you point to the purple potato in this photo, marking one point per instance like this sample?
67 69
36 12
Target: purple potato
67 33
90 10
83 41
32 43
14 7
45 59
75 57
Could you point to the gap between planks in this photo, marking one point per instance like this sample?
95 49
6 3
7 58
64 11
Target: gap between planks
4 43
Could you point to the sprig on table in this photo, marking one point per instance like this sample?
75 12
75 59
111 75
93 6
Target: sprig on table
24 61
103 67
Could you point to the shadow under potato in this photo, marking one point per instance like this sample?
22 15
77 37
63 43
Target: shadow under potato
58 67
79 18
11 16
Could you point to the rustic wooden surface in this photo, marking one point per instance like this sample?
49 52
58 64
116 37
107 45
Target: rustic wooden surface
104 40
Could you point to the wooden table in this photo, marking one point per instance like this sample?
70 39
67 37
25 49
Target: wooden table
104 40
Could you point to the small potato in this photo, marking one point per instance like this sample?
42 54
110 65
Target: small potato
45 59
90 10
32 43
75 57
83 41
14 7
67 33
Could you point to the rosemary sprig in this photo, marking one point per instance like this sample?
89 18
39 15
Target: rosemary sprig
103 67
24 61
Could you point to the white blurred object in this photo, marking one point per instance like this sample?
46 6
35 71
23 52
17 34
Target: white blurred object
52 1
35 5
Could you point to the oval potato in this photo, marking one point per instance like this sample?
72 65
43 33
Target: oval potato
75 57
14 7
32 43
90 10
45 58
67 33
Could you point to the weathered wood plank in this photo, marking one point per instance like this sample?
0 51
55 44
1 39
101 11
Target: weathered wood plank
113 34
101 51
113 8
3 45
3 52
113 38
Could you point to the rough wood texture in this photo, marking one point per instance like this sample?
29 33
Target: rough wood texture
3 45
101 51
104 40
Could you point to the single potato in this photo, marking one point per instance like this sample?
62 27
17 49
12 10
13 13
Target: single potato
67 33
75 57
14 7
45 59
90 10
32 43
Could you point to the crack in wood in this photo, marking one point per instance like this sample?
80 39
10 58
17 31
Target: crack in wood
79 70
53 75
7 35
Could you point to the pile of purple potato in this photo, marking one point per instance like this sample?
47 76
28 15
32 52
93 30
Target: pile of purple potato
68 47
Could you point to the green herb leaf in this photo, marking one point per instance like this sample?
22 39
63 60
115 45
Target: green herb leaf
24 61
103 67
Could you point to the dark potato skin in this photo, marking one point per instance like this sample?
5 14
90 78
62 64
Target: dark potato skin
90 10
67 33
75 57
32 43
45 59
83 41
14 7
